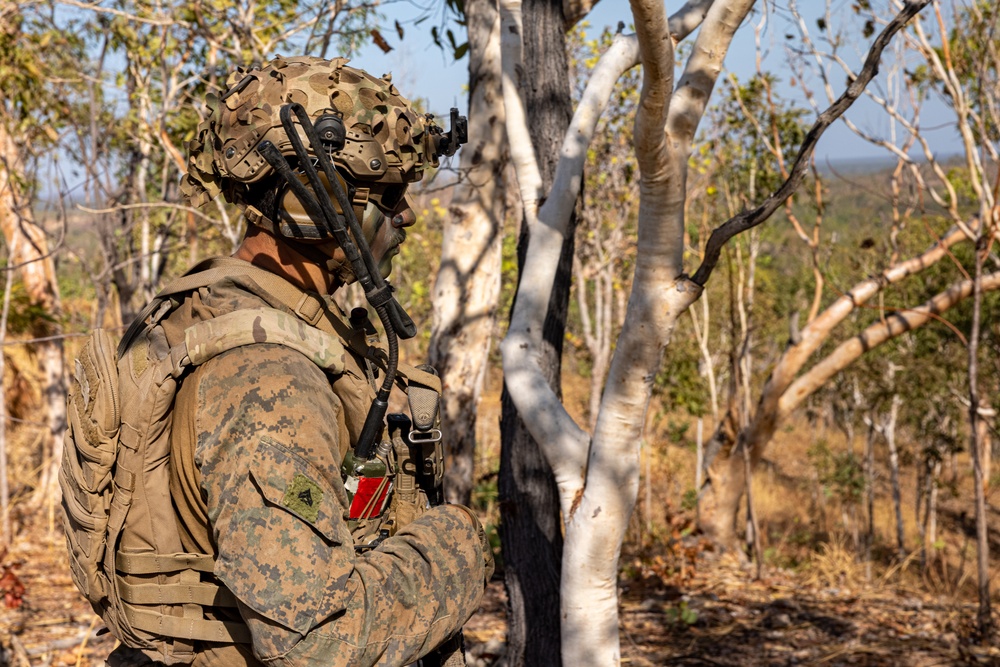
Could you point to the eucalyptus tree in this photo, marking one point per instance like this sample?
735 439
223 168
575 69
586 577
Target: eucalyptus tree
956 68
111 91
467 287
597 474
37 76
606 228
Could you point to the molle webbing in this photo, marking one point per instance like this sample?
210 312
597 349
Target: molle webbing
203 594
308 306
148 563
188 628
159 593
141 601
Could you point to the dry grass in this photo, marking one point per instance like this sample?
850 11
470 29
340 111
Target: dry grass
805 525
835 565
25 426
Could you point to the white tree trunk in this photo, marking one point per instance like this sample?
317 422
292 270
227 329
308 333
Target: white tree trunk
889 431
932 508
596 325
27 250
467 287
596 509
702 331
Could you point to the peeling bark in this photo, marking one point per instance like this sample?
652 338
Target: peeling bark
467 287
28 251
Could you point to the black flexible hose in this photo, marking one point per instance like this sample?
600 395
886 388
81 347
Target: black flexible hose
329 217
320 210
375 288
402 324
328 168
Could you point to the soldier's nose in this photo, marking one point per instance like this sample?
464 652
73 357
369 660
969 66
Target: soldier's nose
404 216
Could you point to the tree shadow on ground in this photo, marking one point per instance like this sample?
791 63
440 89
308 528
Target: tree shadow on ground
791 628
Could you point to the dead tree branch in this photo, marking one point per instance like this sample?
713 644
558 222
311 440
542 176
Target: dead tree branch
750 219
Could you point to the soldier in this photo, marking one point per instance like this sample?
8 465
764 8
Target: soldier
260 428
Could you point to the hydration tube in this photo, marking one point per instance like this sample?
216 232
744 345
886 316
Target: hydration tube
319 207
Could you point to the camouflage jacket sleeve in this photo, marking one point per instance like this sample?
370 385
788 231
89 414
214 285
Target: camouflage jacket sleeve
269 436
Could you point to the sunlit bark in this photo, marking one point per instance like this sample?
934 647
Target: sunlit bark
28 252
596 516
467 287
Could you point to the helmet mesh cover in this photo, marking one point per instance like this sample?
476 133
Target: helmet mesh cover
387 141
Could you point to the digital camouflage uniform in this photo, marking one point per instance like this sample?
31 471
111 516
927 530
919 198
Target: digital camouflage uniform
258 433
257 442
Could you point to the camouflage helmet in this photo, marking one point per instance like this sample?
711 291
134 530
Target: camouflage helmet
386 140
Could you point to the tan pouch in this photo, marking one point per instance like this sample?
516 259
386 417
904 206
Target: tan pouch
94 420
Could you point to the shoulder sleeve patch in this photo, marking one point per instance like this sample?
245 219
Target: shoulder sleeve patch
304 497
285 552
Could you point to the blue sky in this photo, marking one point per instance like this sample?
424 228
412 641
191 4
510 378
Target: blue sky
420 69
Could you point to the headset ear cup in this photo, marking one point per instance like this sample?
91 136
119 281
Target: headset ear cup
295 222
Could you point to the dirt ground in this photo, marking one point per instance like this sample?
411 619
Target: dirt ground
680 603
713 613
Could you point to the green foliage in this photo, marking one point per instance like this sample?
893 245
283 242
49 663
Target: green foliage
38 74
417 263
682 614
840 473
33 52
689 501
485 496
679 383
972 53
676 431
508 279
452 14
485 492
746 124
26 317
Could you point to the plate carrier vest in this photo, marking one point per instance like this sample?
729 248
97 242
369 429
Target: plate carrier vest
125 548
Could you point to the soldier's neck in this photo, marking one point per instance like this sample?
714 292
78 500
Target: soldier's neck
263 250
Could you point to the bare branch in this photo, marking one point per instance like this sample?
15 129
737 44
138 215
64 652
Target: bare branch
157 204
153 20
687 19
522 152
702 70
749 219
893 325
817 330
651 148
614 62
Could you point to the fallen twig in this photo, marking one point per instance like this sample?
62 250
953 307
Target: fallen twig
86 637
